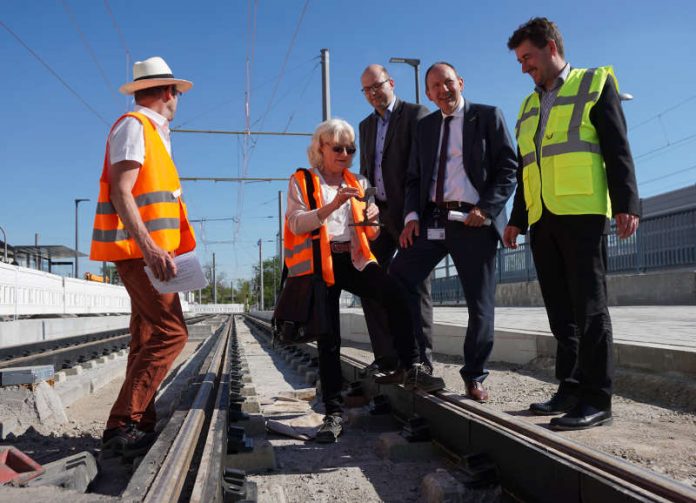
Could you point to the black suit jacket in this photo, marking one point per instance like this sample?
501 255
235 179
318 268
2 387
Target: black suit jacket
395 158
608 119
489 160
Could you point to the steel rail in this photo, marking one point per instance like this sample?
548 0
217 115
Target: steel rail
170 479
208 485
510 441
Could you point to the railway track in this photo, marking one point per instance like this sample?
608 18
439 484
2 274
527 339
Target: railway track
69 351
531 462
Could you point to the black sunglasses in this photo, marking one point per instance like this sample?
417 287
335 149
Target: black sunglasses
340 148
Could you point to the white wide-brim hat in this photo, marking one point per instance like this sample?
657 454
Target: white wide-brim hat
153 72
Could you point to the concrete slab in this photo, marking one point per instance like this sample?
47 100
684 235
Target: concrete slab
254 426
73 371
653 338
251 405
361 418
248 391
13 376
262 457
440 487
393 446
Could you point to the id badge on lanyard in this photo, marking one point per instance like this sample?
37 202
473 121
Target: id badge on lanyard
436 232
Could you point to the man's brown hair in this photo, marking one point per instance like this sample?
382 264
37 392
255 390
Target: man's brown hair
538 31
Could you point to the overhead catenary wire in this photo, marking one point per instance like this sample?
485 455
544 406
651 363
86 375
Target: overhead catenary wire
663 112
284 64
122 39
55 74
88 47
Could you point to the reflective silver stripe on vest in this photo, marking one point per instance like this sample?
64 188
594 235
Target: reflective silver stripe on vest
574 143
111 236
163 196
526 115
528 159
300 268
299 248
571 146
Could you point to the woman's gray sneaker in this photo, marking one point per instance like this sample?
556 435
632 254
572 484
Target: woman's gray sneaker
330 430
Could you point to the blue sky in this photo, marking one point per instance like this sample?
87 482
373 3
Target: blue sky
52 144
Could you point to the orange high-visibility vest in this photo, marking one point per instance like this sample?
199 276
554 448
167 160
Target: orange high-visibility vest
157 193
299 257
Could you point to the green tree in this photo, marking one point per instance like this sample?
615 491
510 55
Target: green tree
271 282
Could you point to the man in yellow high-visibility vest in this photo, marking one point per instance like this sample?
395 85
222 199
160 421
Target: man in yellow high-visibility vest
575 172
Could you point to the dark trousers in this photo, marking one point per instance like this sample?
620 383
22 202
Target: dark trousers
384 248
158 334
473 252
570 255
373 283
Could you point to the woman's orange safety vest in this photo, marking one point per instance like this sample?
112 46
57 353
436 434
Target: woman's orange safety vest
157 193
298 248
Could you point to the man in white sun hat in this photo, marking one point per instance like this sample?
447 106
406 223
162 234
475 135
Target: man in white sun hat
142 220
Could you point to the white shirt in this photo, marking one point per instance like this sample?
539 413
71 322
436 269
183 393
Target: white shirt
127 142
301 219
457 187
381 136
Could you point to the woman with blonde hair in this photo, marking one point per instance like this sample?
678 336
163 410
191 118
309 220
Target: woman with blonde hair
346 224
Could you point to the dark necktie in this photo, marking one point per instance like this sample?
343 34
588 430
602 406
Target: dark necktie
442 164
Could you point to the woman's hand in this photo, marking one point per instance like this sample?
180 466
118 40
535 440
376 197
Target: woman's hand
342 195
372 213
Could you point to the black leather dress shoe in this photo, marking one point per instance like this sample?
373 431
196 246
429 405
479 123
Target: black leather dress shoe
582 416
559 403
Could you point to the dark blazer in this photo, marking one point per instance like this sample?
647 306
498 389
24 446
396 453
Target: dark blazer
489 159
395 159
608 119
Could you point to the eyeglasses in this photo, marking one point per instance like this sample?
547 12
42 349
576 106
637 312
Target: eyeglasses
175 92
340 148
373 89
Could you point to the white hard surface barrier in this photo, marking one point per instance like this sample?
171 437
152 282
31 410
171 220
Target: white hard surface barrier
26 291
215 308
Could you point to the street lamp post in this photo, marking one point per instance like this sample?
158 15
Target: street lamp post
415 63
77 203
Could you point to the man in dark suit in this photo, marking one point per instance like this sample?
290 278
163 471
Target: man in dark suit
385 148
461 174
576 171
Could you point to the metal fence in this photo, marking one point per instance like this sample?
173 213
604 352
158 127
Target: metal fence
662 242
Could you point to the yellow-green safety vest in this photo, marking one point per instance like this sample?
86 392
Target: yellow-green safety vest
571 176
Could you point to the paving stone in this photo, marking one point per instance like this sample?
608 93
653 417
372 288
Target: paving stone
393 446
262 457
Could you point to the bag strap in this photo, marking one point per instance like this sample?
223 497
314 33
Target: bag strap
316 243
316 239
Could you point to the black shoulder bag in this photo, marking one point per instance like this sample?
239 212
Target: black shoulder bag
301 313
